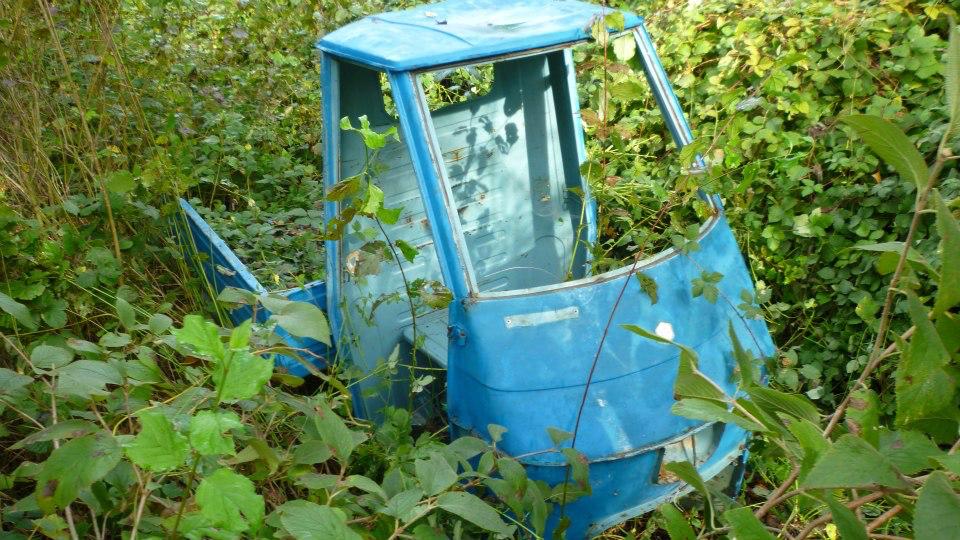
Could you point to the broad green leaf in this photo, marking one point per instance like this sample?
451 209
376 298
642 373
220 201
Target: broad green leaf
240 335
923 387
473 509
951 78
374 200
558 435
305 520
848 524
159 323
794 405
126 314
120 182
409 252
343 189
937 514
434 473
685 471
266 454
73 467
335 432
299 318
311 451
863 415
11 381
677 525
702 409
50 357
403 505
892 145
692 383
909 451
229 500
812 443
624 47
67 429
207 429
18 311
948 293
745 525
496 432
366 484
241 375
158 447
852 463
202 335
745 361
86 378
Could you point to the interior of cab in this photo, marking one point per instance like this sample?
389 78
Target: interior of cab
511 156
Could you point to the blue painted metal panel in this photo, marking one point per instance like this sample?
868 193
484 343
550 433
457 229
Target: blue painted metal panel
456 31
222 268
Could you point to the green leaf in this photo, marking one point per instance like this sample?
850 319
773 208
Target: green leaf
74 467
159 323
50 357
409 252
403 505
299 318
366 484
558 435
18 311
473 509
848 524
948 292
68 429
344 188
852 463
120 182
241 375
648 286
335 432
624 47
207 430
892 145
711 411
305 520
86 378
677 525
11 381
951 76
229 500
863 415
496 432
909 451
812 443
791 404
240 335
923 387
745 525
374 200
126 314
937 515
202 335
158 447
685 471
434 473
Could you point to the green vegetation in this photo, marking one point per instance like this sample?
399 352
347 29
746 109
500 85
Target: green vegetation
128 408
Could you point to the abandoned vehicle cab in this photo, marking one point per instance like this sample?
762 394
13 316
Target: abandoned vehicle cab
478 199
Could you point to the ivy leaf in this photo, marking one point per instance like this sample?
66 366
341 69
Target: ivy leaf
158 447
299 318
305 520
746 525
892 145
126 314
852 463
207 430
18 311
434 473
50 357
937 514
202 335
229 500
74 467
473 509
241 376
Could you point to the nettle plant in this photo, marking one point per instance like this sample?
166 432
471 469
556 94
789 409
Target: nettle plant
866 474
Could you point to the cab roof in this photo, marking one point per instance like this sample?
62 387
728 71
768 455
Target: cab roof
454 31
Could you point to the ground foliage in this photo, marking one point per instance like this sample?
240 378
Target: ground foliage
123 412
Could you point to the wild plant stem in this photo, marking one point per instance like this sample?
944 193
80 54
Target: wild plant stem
183 502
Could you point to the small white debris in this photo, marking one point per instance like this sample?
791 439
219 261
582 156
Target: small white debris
665 330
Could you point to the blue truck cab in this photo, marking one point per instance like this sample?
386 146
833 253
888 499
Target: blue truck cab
499 220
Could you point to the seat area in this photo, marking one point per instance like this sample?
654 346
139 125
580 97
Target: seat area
433 328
